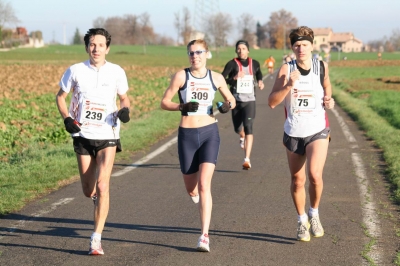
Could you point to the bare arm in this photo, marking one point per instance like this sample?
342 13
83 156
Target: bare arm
282 86
124 101
329 103
177 81
219 81
61 104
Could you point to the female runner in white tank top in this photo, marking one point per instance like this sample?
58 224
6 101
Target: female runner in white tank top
198 138
306 129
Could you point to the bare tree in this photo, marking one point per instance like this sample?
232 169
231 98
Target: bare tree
186 26
117 28
178 26
99 22
147 33
278 27
395 39
183 25
246 26
7 14
217 29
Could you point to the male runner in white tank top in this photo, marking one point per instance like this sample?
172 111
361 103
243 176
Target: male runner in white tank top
306 95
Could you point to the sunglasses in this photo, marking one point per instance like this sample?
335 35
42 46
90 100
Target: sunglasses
198 52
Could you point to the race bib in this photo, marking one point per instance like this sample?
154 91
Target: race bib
202 95
303 103
245 84
93 113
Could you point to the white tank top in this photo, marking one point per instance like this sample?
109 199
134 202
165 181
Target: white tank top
304 109
201 90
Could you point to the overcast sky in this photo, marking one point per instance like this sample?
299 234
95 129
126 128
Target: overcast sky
366 19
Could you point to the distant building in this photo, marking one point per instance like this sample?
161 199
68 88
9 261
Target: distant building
325 40
18 37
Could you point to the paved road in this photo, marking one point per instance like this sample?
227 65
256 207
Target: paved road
152 220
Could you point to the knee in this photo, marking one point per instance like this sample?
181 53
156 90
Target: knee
248 127
88 191
237 130
204 187
315 178
298 182
102 188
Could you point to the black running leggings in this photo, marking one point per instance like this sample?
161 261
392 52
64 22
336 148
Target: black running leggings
244 113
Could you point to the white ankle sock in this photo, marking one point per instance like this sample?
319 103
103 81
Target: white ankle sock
302 218
313 212
95 235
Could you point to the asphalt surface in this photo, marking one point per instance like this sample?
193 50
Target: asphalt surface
152 221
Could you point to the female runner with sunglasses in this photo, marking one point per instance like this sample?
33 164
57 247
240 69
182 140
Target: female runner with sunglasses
198 136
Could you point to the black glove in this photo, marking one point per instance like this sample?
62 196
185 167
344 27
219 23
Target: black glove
123 115
71 125
189 107
223 107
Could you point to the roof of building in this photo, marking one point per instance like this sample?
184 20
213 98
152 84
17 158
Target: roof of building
321 31
341 37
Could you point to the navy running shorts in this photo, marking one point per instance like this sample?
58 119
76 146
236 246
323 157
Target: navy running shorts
197 146
91 147
298 145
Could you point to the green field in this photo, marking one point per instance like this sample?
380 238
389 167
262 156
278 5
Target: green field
35 150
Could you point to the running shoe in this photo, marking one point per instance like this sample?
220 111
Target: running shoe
195 199
94 198
302 231
246 164
204 243
241 141
95 247
316 228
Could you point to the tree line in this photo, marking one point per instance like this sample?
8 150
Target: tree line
216 28
387 43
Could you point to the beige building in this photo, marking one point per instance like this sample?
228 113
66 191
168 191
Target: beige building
325 40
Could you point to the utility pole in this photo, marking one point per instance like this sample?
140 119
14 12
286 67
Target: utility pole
204 9
284 38
64 34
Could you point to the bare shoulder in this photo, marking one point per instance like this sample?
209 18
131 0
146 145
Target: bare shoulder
217 76
181 74
283 70
218 79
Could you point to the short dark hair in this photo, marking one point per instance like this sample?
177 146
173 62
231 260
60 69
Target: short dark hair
242 42
97 31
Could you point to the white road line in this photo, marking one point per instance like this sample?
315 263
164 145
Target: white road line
146 158
151 155
52 207
370 217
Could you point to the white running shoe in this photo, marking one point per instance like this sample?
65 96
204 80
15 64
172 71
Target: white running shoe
203 243
95 247
246 164
195 199
241 141
303 233
316 227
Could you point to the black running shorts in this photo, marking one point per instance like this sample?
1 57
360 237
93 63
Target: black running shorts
197 146
91 147
298 145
